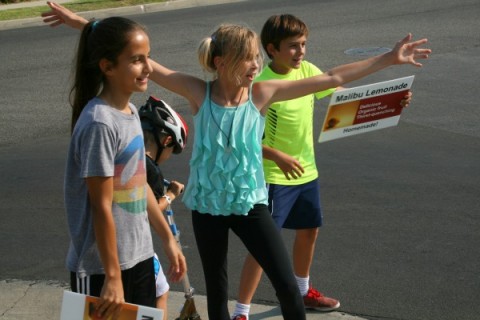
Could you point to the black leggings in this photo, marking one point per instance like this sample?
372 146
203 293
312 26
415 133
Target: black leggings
261 237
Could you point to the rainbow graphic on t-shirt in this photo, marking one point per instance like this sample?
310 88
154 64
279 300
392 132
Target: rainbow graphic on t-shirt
129 189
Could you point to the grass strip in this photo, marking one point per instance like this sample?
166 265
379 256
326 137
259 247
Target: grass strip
75 6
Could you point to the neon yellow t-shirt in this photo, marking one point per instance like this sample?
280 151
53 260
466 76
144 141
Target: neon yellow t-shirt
289 127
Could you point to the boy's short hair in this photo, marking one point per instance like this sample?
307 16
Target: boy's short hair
281 27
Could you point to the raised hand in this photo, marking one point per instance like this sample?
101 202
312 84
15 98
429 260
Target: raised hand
60 15
406 52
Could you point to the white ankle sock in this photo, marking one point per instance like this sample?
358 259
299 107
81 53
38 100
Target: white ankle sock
303 284
241 308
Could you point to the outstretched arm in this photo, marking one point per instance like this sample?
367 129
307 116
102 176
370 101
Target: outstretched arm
404 52
180 83
60 15
187 86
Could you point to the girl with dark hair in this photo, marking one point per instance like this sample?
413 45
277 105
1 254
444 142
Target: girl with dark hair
108 202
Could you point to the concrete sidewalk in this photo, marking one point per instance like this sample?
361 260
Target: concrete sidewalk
41 300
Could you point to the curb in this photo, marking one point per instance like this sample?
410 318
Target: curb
42 300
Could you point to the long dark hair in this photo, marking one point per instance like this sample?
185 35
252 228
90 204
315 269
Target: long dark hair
99 39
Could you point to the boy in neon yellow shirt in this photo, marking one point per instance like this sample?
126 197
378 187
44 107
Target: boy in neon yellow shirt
289 162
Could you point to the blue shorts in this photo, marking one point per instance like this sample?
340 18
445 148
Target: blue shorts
295 207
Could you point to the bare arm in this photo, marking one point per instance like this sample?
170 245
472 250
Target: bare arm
404 52
178 266
100 190
187 86
60 15
290 166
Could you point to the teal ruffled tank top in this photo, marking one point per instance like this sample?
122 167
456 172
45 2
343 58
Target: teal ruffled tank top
226 172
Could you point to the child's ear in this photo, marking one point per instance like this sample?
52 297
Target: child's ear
105 65
218 62
271 49
167 141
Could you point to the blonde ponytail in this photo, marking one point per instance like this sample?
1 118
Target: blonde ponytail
235 44
205 55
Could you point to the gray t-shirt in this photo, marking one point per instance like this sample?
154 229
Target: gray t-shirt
107 143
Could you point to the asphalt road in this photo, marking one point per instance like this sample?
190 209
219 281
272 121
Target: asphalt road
401 205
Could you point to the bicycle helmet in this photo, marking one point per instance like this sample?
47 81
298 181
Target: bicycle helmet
158 117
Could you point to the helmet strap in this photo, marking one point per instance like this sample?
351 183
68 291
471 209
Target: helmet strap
160 146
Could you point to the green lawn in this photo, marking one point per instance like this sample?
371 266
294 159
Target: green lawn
77 6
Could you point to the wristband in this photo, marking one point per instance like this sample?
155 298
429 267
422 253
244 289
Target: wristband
169 200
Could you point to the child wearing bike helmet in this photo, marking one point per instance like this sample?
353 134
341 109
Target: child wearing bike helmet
164 132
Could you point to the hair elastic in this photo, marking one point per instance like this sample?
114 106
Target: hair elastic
94 25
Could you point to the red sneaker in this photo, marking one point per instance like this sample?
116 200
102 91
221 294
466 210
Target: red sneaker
316 300
240 317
